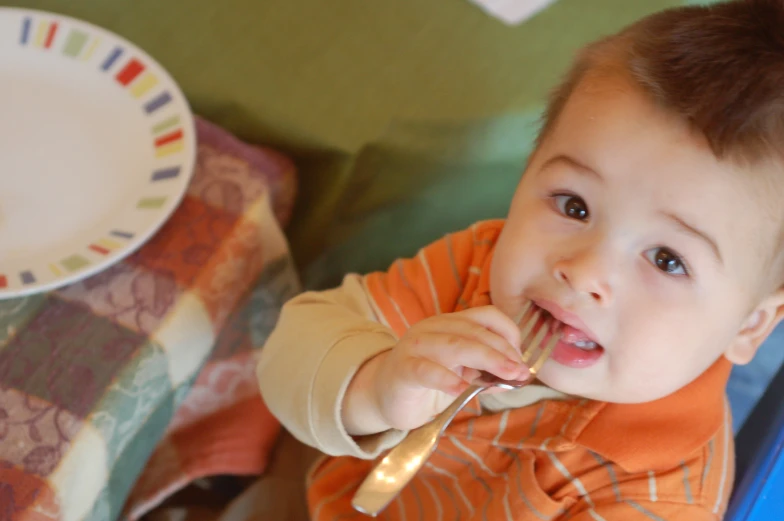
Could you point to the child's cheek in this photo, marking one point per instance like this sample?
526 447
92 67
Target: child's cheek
555 225
660 288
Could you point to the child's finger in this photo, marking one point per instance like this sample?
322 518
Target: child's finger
452 351
431 375
493 319
464 326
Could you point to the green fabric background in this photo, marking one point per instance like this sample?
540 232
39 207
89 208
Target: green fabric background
406 118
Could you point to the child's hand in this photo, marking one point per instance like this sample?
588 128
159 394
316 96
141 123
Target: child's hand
430 365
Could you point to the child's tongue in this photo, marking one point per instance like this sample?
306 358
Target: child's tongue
572 335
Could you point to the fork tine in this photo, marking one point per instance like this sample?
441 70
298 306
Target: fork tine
529 325
533 345
520 316
548 349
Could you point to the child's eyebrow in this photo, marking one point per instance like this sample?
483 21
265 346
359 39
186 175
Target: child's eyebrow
579 167
693 230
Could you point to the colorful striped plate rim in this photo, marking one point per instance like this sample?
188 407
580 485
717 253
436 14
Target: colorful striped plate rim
114 184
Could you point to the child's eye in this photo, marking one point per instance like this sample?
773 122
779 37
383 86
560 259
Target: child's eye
667 261
571 206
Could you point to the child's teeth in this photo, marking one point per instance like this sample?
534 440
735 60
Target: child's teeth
585 344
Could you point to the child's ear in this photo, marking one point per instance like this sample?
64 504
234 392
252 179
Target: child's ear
758 326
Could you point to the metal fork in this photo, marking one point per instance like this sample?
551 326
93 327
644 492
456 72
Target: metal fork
397 468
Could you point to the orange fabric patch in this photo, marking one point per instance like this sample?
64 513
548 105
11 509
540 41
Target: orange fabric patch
187 242
25 497
231 271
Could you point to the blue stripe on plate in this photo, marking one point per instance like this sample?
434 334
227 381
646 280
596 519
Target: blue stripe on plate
113 56
167 173
158 102
25 30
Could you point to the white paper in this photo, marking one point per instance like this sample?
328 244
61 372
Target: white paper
512 12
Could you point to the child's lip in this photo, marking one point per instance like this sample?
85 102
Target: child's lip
567 317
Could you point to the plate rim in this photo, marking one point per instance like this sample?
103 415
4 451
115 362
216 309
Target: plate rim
187 122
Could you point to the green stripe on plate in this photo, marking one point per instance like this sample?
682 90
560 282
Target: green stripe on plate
75 43
74 262
166 124
151 203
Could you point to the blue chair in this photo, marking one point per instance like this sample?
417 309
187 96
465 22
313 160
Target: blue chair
759 480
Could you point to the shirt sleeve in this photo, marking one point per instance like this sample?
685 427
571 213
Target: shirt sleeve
322 339
437 280
319 343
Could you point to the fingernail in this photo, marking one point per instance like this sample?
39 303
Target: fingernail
513 366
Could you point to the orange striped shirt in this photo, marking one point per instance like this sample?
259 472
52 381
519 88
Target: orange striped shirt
574 459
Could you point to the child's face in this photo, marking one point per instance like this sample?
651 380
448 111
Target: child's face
627 227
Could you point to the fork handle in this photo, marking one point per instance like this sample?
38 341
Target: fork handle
445 417
395 471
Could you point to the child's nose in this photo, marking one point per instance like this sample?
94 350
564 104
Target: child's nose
586 272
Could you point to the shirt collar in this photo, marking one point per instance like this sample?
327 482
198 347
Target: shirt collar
661 433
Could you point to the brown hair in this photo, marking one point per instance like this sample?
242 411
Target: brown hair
721 67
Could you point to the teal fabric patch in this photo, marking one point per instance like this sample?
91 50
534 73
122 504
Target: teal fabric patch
102 508
138 392
131 462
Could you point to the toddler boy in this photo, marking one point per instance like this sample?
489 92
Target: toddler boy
648 222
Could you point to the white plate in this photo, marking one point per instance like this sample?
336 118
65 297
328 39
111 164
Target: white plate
97 146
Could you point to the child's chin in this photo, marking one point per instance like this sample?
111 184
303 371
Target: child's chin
579 383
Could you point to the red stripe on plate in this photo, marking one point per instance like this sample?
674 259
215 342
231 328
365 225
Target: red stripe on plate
129 72
99 249
50 35
168 138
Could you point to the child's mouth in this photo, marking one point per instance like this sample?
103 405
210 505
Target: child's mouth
577 338
575 349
